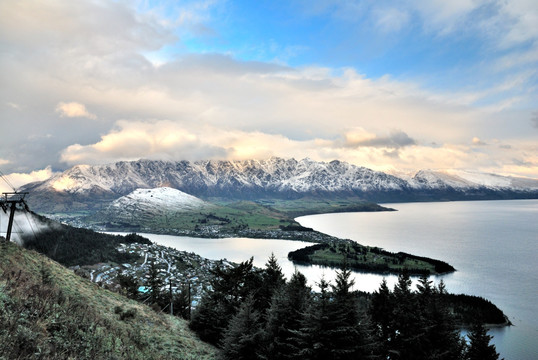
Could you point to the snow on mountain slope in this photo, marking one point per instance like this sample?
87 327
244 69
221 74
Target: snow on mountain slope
92 187
152 202
464 179
213 177
164 198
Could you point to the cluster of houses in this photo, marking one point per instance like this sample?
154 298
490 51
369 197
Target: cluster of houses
177 269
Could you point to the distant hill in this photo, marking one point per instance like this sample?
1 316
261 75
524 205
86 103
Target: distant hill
92 188
145 205
48 312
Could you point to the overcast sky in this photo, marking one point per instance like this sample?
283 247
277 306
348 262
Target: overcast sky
390 85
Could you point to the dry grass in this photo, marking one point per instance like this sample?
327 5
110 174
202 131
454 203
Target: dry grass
48 308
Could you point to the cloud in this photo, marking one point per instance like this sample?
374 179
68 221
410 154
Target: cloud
476 141
74 109
391 19
13 105
395 140
167 140
534 119
150 140
18 179
214 105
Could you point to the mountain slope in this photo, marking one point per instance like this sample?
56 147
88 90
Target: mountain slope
144 204
91 187
46 311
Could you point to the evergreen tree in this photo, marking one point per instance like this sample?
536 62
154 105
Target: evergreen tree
272 280
381 313
443 337
182 302
350 338
241 338
129 285
210 319
230 286
284 319
479 347
406 343
316 332
154 283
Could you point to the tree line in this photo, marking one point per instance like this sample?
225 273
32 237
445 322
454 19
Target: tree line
256 314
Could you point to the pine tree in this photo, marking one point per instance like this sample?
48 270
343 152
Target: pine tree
129 285
316 332
284 319
241 338
439 338
381 313
230 286
154 283
272 280
350 336
479 347
406 325
444 338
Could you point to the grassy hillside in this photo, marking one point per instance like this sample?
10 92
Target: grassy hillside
48 312
311 206
230 217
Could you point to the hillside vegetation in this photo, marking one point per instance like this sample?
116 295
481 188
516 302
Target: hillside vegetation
228 218
48 312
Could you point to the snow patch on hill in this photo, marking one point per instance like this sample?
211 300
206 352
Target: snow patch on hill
164 198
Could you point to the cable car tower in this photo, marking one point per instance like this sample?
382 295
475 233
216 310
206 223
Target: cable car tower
9 201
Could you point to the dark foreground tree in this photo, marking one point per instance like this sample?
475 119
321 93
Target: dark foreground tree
154 283
284 319
479 347
129 285
241 338
352 334
230 287
317 326
272 280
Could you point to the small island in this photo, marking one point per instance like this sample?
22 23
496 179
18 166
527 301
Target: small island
368 259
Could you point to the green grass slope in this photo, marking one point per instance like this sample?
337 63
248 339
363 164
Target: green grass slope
229 217
48 312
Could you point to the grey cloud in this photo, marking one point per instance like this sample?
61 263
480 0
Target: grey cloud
534 119
395 154
395 140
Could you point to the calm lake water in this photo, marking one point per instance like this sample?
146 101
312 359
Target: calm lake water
492 244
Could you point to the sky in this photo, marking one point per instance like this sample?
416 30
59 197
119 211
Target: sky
395 86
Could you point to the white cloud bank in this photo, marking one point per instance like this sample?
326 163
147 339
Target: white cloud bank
18 179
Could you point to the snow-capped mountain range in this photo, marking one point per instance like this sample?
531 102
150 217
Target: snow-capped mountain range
85 186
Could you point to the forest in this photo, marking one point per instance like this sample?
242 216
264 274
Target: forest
257 314
72 246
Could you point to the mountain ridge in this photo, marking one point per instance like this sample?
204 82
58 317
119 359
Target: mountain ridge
89 187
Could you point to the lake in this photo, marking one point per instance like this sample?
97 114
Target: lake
492 244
